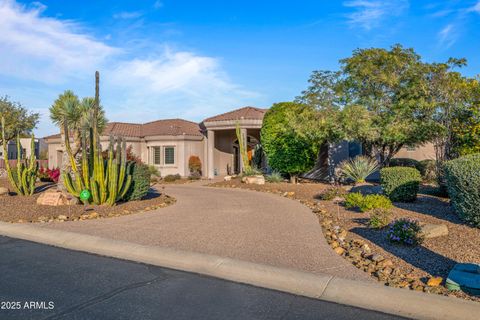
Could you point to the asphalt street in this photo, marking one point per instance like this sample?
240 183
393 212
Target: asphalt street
43 282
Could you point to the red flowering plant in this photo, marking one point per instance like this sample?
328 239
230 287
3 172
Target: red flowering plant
43 175
54 174
49 175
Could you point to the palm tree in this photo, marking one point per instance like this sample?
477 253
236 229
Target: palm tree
78 115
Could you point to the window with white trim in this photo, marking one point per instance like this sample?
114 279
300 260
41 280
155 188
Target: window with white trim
169 155
156 155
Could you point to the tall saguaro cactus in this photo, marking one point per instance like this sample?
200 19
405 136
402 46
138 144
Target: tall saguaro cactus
25 175
242 145
108 181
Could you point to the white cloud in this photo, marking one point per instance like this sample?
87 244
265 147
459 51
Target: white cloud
128 15
448 35
195 83
45 56
369 14
45 49
476 7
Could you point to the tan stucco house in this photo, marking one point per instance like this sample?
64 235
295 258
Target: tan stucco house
168 144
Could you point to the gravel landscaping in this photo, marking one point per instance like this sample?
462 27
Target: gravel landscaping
20 209
347 231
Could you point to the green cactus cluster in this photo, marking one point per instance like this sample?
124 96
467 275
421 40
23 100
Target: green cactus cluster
23 177
107 180
242 145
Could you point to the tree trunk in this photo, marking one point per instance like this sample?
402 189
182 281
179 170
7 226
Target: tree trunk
64 165
293 178
331 164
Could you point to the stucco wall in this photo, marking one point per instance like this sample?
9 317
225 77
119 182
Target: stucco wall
223 152
424 152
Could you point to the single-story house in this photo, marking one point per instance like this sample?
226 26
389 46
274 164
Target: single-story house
26 144
168 144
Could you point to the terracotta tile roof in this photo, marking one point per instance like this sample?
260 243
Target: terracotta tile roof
123 129
52 136
250 113
169 127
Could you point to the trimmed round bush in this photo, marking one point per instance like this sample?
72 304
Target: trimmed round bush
406 162
463 184
400 184
140 181
172 177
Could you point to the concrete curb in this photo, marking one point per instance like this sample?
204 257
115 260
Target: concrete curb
349 292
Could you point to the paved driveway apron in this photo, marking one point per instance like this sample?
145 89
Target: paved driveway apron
241 224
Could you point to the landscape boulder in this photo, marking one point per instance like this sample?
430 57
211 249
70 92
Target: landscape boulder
431 230
56 198
4 191
254 179
227 178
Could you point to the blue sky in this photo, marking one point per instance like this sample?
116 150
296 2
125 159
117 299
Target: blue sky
194 59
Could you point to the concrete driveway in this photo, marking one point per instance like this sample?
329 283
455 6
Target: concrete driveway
241 224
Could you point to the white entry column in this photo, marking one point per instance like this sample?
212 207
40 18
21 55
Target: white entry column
210 148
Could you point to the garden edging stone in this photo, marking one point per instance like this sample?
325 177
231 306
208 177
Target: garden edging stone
350 292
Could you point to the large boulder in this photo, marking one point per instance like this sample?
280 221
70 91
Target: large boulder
254 179
431 230
465 277
56 198
4 191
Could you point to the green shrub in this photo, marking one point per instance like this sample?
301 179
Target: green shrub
463 183
380 218
353 200
172 177
400 184
195 176
140 181
405 231
332 193
275 176
250 171
375 201
154 173
367 203
286 150
428 170
359 168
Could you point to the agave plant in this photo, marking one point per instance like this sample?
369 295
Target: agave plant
359 168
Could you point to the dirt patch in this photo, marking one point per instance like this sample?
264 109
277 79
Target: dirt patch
16 208
435 257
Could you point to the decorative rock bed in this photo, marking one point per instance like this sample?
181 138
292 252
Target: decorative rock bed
48 205
388 268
